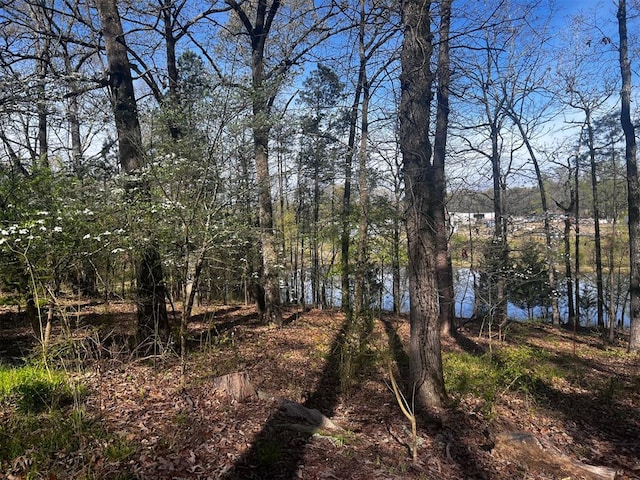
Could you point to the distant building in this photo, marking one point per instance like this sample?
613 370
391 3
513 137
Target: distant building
464 220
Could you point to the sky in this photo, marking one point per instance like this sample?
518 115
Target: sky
568 8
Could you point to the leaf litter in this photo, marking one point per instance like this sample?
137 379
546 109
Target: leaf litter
162 423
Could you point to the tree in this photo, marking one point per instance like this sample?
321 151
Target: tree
443 262
486 118
422 202
321 94
267 77
152 312
568 207
528 285
376 27
588 99
633 183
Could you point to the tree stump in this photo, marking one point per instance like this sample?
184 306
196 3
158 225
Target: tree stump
235 386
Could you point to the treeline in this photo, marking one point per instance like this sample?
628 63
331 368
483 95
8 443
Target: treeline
177 151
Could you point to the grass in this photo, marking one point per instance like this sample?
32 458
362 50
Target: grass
120 449
44 436
489 376
44 424
34 388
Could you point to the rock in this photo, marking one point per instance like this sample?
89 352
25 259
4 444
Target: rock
310 415
540 455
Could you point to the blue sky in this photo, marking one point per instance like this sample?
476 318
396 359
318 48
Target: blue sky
572 7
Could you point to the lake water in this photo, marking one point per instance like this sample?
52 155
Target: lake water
465 298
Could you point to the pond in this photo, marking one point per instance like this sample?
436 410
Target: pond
465 298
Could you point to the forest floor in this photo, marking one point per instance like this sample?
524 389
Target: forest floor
575 398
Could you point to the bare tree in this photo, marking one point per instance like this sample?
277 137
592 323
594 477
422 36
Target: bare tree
267 76
633 184
587 89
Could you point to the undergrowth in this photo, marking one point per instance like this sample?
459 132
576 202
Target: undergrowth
489 376
34 388
41 418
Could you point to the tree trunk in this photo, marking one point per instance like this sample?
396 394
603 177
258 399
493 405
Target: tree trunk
173 103
612 298
576 185
152 312
549 251
425 360
316 279
263 99
633 187
596 218
273 313
395 263
444 267
500 247
567 265
43 55
361 302
345 239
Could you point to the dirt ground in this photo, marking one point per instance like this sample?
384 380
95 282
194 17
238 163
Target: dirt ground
177 427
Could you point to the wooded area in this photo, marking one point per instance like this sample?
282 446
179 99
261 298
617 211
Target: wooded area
419 192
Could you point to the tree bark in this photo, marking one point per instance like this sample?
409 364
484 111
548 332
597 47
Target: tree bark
345 238
443 259
361 303
596 218
151 308
416 80
576 186
258 32
633 186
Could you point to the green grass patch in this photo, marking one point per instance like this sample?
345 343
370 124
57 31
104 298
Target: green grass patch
34 388
120 449
521 369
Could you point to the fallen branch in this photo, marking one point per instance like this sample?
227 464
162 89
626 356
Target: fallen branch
408 412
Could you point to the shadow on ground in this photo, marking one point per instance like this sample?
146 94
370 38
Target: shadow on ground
278 453
16 341
454 434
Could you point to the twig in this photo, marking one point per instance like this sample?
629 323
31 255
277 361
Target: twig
408 412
